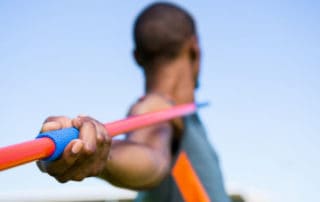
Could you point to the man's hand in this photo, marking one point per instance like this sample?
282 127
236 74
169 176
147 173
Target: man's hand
83 157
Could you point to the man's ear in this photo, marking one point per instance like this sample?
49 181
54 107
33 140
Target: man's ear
194 49
195 54
138 57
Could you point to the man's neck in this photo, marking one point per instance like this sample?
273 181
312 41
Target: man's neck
174 80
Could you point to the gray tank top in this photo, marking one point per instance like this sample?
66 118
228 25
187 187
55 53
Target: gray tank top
195 176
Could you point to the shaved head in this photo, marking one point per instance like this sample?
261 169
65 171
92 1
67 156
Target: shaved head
160 31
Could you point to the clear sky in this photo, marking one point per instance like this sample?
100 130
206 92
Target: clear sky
260 71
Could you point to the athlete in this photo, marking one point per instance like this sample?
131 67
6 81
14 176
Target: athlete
167 162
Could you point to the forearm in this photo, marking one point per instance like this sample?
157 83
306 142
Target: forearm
136 166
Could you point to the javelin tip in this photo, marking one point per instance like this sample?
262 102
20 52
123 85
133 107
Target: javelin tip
202 104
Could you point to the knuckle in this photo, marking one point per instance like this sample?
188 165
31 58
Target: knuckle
100 139
78 177
62 179
90 150
56 118
52 172
89 124
106 137
103 136
49 119
85 118
107 140
95 172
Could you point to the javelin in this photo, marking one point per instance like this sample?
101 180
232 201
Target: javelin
50 145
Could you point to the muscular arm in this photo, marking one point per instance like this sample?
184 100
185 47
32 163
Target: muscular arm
140 161
143 158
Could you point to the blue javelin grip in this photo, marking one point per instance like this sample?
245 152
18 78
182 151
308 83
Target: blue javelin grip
61 139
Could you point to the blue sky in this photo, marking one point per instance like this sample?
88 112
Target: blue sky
260 71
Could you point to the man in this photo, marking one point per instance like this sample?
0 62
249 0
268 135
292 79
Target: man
167 162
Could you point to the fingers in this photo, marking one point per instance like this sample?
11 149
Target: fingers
88 135
82 157
91 131
56 123
70 155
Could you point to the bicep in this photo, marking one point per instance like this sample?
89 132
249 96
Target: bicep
157 137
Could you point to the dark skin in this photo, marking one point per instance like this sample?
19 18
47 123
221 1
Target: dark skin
143 158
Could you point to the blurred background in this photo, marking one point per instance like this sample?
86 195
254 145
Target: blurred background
260 72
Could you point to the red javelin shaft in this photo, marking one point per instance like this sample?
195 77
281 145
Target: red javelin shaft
41 148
